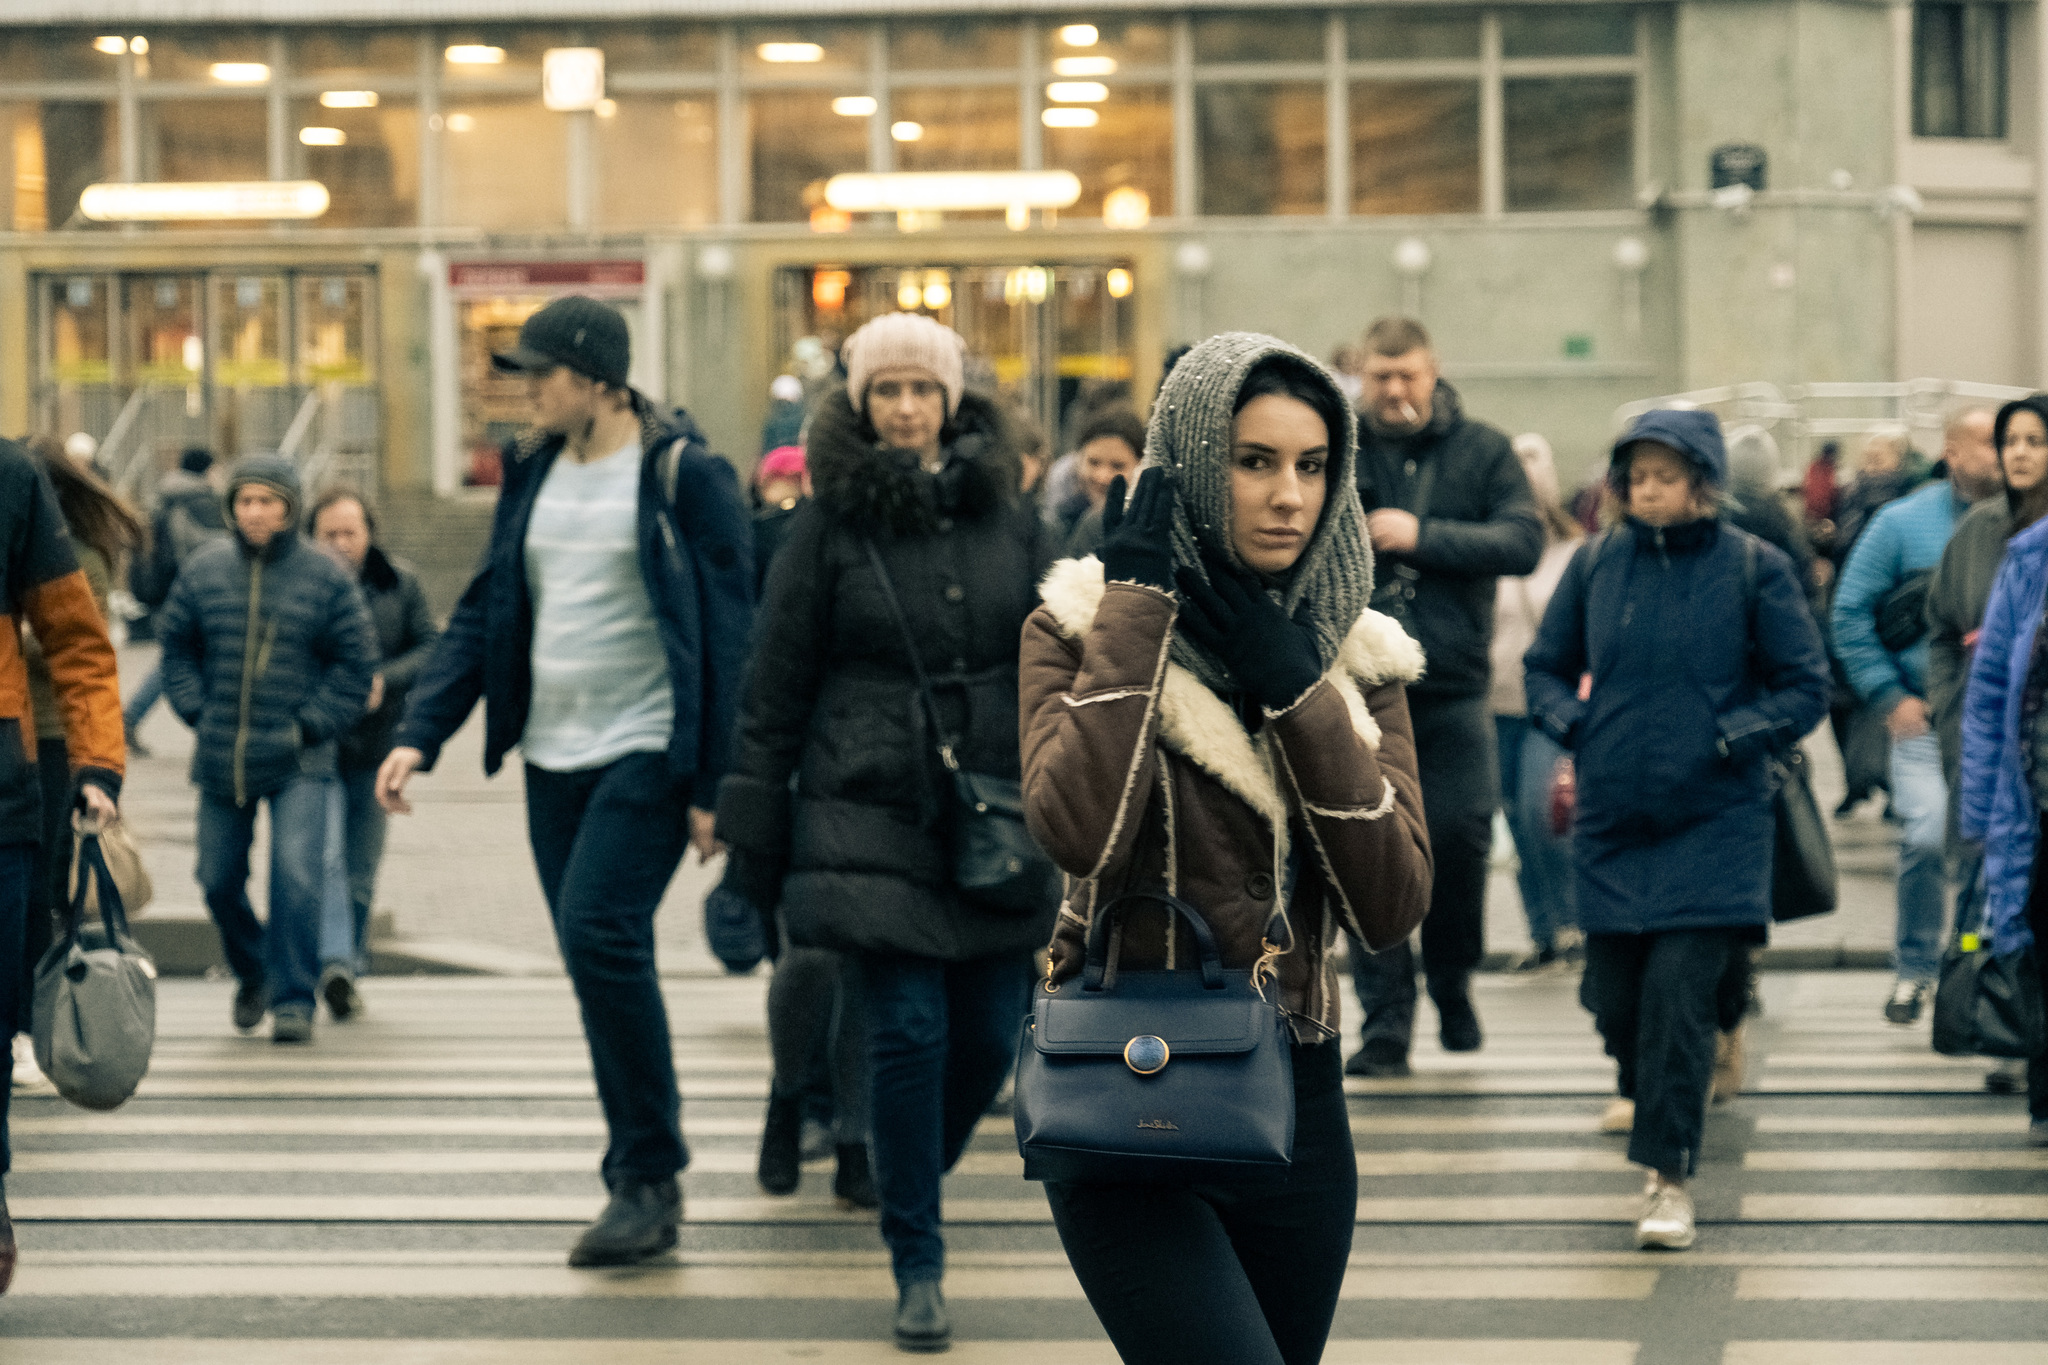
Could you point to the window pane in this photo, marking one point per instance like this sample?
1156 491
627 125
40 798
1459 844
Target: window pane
1389 35
1959 85
1569 143
482 138
658 47
795 144
797 51
1127 42
1258 37
204 140
522 49
1131 145
678 135
1415 147
190 54
370 52
954 44
57 55
1261 148
1588 31
373 175
973 129
48 154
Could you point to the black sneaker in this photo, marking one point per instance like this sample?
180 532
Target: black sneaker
922 1324
780 1168
249 1005
1458 1024
1378 1065
338 989
853 1184
639 1222
1904 1006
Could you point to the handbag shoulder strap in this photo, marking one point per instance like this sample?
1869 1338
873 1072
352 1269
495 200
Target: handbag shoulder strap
924 682
93 873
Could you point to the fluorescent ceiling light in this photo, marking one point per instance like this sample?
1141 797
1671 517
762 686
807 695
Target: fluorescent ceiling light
1080 35
139 46
791 52
855 106
607 108
476 54
322 137
906 131
1077 92
1070 117
239 73
1084 66
462 123
571 78
203 201
943 191
348 99
113 47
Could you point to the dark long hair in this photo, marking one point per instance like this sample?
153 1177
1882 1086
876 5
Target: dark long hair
96 514
1285 376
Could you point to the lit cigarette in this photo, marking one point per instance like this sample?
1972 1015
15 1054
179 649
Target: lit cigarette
1408 412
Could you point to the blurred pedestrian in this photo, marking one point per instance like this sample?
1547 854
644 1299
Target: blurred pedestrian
42 587
2004 804
1449 513
188 515
1213 704
785 423
1884 582
343 525
267 655
1528 756
1112 443
916 496
781 483
605 634
1704 664
1820 493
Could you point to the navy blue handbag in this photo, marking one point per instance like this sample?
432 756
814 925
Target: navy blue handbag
1154 1076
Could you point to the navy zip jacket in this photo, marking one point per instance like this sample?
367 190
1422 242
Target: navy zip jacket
1696 682
696 555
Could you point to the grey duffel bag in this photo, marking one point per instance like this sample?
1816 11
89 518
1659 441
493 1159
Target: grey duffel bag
95 1006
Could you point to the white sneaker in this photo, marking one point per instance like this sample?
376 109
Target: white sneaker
1666 1224
1620 1116
27 1075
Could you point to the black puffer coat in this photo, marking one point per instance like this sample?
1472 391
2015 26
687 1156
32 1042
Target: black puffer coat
865 837
405 635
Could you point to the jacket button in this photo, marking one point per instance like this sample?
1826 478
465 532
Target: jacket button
945 523
959 665
1259 886
955 593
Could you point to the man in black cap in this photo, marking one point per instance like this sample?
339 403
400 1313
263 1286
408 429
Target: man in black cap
606 634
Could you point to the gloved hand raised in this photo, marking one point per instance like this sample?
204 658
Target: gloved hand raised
1271 655
1137 539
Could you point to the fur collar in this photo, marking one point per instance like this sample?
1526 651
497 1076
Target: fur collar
1200 726
860 480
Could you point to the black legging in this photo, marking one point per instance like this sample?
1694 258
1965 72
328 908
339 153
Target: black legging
1242 1273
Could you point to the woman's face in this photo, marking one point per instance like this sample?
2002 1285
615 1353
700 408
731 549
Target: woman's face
2025 452
1103 461
1279 476
907 404
1660 486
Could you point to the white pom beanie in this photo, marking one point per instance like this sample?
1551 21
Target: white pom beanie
905 339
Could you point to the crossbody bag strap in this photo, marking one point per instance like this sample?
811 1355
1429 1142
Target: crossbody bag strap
924 683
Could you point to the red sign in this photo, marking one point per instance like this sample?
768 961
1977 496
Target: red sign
547 277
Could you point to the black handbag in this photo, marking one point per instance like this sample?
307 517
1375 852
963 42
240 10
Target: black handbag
1902 613
1803 857
1987 1005
1152 1076
996 862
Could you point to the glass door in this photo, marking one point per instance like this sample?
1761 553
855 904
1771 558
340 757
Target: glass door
254 402
163 366
77 348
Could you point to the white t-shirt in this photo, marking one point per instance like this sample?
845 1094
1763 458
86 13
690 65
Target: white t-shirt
600 679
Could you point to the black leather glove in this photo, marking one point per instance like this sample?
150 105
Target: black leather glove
1273 656
755 877
1137 540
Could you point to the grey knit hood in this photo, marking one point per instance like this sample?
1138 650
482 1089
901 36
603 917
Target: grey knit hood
1191 436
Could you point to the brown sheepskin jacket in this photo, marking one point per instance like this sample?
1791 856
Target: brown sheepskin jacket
1136 774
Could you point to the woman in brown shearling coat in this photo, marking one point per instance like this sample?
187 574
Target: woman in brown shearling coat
1211 707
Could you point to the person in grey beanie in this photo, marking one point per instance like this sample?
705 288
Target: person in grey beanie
267 653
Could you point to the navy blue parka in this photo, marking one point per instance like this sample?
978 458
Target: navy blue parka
696 556
1698 678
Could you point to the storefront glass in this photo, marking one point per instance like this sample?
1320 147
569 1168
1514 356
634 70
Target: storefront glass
1396 35
1129 146
953 45
78 355
795 143
368 53
1568 31
208 55
211 139
369 160
968 128
504 164
803 52
1261 149
657 49
679 137
1272 36
1570 143
63 54
1415 147
49 152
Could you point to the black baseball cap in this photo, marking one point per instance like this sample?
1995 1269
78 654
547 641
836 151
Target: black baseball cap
587 336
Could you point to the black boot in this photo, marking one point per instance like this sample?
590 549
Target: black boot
853 1184
922 1323
1457 1022
6 1242
639 1222
781 1165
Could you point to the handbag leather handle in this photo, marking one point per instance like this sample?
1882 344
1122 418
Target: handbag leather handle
1097 965
92 868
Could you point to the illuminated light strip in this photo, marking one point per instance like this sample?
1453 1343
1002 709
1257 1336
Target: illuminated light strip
944 191
203 201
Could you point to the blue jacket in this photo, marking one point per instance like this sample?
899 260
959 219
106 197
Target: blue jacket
1997 801
1903 538
1697 681
697 558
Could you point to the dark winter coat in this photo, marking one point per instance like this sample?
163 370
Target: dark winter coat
405 633
1956 598
267 654
188 516
1480 524
865 837
696 556
1697 681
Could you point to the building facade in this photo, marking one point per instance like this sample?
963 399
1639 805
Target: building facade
1588 203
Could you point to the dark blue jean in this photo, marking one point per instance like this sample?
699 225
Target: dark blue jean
1547 881
285 955
17 862
147 694
606 842
942 1035
355 831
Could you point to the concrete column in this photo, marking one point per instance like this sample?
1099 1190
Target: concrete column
1493 183
1337 112
1187 196
734 189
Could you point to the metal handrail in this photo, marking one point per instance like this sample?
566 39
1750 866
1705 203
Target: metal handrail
124 424
302 422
